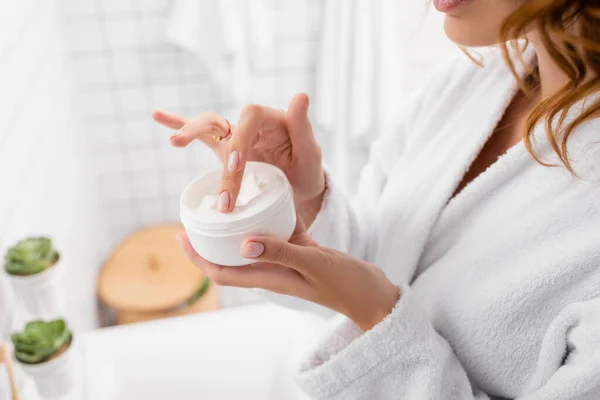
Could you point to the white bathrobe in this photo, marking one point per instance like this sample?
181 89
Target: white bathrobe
504 295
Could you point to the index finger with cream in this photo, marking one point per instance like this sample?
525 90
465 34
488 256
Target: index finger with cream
253 119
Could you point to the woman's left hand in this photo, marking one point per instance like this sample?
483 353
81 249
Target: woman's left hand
302 268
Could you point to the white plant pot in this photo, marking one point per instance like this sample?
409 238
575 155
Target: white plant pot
53 378
42 294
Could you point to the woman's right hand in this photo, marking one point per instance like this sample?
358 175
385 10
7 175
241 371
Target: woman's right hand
284 139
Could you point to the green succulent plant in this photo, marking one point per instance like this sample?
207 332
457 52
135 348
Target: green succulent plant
30 256
41 340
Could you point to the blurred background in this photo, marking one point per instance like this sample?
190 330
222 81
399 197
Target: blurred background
82 162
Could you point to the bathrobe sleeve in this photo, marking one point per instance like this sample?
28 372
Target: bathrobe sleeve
403 357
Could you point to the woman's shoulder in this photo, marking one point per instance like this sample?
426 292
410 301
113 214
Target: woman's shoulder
583 142
583 147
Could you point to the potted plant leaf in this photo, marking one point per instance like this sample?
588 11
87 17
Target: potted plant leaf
43 351
32 266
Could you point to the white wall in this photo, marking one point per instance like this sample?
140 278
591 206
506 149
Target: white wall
44 181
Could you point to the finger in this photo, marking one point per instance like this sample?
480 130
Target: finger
265 276
179 122
204 128
299 126
170 120
273 250
253 119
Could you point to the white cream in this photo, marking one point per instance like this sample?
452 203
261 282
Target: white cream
265 206
259 190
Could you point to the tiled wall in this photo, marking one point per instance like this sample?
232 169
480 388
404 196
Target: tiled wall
44 182
126 67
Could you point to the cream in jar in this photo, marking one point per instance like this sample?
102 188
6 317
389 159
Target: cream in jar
264 206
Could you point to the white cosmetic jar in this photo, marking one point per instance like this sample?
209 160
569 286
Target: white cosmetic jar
218 237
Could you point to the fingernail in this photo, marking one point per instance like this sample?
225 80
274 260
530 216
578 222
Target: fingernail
234 160
224 200
252 249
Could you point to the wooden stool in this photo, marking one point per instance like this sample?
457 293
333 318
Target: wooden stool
149 277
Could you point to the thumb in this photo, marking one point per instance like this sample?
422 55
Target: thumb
298 123
273 250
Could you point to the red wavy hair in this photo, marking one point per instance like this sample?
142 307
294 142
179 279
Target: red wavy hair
570 32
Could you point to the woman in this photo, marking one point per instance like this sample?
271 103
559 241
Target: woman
483 209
